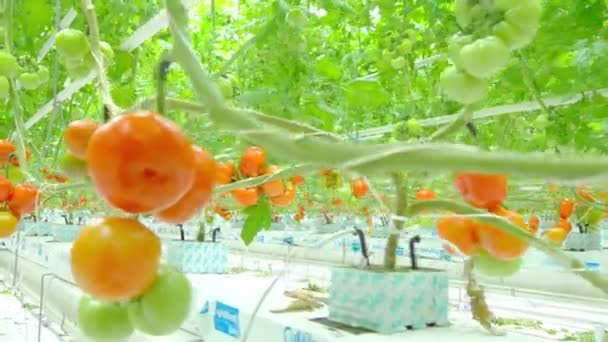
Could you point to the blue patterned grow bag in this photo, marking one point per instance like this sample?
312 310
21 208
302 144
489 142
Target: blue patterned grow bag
198 257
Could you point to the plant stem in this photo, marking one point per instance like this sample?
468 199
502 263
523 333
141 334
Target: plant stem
463 118
479 308
401 188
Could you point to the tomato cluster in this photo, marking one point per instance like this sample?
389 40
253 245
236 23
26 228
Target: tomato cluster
30 79
75 51
15 202
491 29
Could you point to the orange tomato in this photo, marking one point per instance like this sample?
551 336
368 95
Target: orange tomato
500 244
274 187
141 162
77 135
6 188
285 199
252 161
482 190
115 259
222 212
297 180
326 172
8 224
533 223
15 159
224 172
6 149
566 208
246 196
360 187
556 235
585 192
337 201
564 223
199 194
425 194
23 200
461 232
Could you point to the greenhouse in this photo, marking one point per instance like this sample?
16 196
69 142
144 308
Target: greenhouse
303 170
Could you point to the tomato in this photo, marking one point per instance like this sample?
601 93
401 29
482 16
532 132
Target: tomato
199 194
513 36
285 199
23 200
461 87
8 224
9 67
414 127
585 193
332 180
225 214
224 172
525 16
141 162
566 208
103 320
425 194
556 235
482 190
274 187
360 188
4 87
246 196
165 306
6 189
252 161
115 258
459 231
337 201
462 12
43 74
484 57
564 223
77 135
107 52
72 44
297 180
73 167
7 148
500 244
533 223
15 160
490 266
29 80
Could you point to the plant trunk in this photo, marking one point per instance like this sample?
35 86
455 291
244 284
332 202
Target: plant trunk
200 236
390 257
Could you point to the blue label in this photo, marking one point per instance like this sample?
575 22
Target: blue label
355 246
289 240
205 309
259 238
226 319
292 335
399 251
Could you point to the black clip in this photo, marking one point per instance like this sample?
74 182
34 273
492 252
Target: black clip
361 236
182 234
214 234
414 261
65 218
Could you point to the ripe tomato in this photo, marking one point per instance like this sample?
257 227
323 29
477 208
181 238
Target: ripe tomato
564 223
6 189
566 208
199 194
533 223
484 57
246 196
502 245
461 87
252 161
297 180
556 235
461 232
115 259
482 190
274 187
285 199
224 172
6 149
225 214
425 194
23 200
15 158
77 135
141 162
8 224
337 201
360 188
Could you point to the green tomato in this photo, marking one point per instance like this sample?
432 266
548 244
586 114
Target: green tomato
526 15
487 264
74 167
462 12
513 36
72 44
4 87
542 121
107 52
43 74
165 306
225 87
103 321
484 57
296 17
29 80
455 45
8 64
505 5
461 87
80 69
414 127
398 63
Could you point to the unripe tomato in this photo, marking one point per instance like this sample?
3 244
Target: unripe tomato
461 87
484 57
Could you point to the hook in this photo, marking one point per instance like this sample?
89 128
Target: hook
182 234
414 261
361 235
214 234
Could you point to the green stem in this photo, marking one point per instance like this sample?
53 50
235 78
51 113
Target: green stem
401 188
444 132
572 264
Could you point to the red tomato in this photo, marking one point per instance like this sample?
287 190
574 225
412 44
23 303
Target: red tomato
246 196
77 135
297 180
566 208
360 188
252 161
461 232
224 173
482 190
285 199
23 200
274 187
6 189
425 194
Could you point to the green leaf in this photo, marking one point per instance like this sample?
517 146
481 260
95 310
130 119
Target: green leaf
259 216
